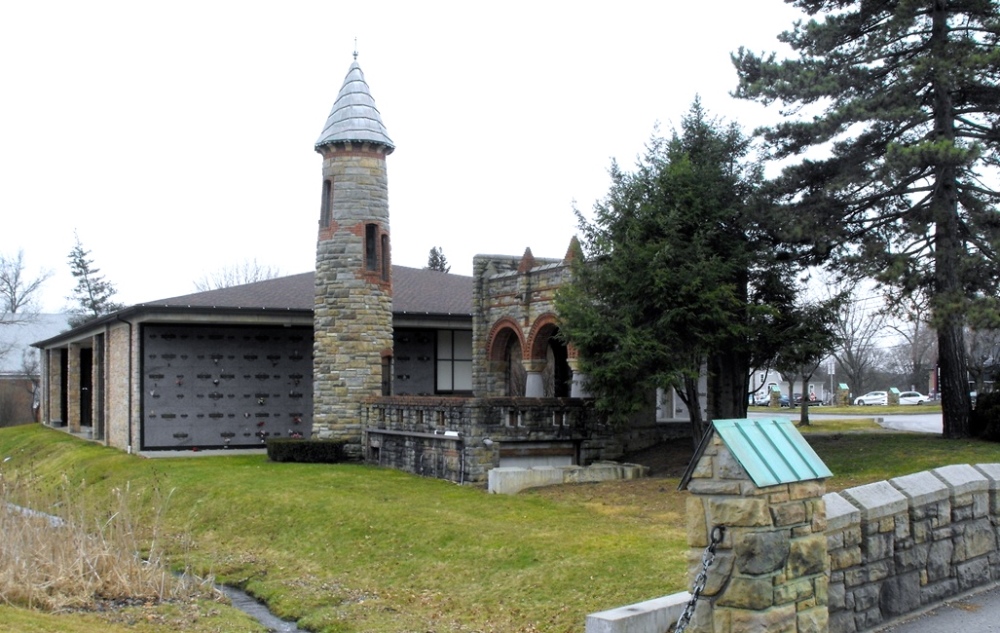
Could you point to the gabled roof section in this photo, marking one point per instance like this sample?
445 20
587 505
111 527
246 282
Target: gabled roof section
281 293
772 451
425 291
415 291
354 117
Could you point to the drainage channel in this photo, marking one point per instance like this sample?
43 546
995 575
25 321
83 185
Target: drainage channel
259 611
239 598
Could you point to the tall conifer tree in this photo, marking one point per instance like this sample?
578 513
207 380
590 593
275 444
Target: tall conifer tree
677 276
899 101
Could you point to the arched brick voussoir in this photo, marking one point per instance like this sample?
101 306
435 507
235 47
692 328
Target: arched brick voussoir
500 337
538 339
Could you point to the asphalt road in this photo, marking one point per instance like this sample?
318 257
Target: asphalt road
915 422
978 613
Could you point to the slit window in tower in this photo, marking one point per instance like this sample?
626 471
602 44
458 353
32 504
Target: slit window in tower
385 257
326 207
371 246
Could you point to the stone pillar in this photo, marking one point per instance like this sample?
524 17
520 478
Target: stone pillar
843 397
578 383
770 570
73 388
534 385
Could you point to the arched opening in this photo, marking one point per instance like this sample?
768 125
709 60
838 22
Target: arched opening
505 354
544 344
514 375
557 376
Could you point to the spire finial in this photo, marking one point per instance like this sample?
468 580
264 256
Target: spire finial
355 49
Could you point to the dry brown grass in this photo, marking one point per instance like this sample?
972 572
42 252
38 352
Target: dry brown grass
57 554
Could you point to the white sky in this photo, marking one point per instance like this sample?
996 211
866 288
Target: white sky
177 137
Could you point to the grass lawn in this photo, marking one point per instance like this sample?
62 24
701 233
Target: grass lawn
350 548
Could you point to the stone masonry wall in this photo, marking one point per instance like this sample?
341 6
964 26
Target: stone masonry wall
444 436
770 569
899 545
353 308
517 290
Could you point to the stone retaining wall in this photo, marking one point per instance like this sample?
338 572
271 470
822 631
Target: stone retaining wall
513 480
899 545
844 562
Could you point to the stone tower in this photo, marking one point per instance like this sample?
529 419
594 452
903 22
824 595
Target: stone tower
352 321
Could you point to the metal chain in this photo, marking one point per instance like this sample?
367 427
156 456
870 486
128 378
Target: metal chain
701 579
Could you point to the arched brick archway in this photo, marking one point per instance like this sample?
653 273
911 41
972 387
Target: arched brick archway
500 338
542 331
547 357
505 354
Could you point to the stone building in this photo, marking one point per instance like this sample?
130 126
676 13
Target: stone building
438 374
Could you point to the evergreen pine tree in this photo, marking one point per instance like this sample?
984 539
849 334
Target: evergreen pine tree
93 294
437 261
677 276
899 102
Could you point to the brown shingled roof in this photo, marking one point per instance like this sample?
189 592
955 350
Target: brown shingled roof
414 291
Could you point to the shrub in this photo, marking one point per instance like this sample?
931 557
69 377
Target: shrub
305 451
985 420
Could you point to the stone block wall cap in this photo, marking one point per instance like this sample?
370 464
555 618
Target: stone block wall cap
962 478
921 488
992 473
876 500
839 512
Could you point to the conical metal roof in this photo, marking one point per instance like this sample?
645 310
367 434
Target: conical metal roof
354 117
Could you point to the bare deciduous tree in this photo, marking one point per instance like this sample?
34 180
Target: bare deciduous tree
857 327
18 289
913 360
246 272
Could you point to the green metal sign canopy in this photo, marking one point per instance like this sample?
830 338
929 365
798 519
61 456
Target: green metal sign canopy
772 451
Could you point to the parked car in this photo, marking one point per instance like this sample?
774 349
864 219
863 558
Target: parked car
913 397
873 397
812 401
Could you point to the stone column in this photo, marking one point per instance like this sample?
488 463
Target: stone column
578 383
770 570
534 386
73 388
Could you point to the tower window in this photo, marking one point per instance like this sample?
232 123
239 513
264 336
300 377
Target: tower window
385 257
371 246
326 206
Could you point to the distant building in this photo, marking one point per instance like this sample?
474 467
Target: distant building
20 365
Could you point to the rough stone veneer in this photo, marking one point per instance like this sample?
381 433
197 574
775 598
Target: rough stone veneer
353 308
770 570
899 545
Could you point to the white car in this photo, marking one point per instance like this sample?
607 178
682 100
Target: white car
873 397
913 397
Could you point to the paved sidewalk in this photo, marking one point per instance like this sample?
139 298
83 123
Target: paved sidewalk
975 613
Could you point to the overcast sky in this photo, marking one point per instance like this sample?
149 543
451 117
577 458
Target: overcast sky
177 137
